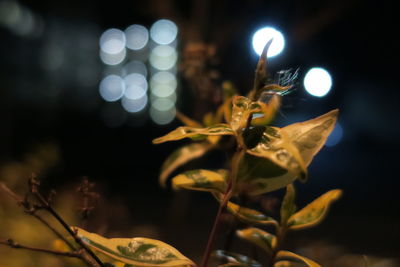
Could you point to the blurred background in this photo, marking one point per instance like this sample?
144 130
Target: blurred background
86 85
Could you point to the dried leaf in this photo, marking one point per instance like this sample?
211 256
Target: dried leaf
181 156
290 255
288 207
314 212
136 251
194 133
200 180
258 237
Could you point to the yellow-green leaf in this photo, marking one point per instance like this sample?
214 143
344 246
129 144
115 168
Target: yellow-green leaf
258 237
136 251
314 212
200 180
288 207
242 109
181 156
194 133
235 258
268 111
282 254
247 215
309 136
228 89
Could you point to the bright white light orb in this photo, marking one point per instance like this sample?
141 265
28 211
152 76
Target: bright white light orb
163 32
136 79
112 41
112 87
317 82
135 66
162 103
172 97
336 136
163 84
113 59
162 117
134 105
163 57
262 36
137 37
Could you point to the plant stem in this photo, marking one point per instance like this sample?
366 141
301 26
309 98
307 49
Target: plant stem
12 244
226 197
280 236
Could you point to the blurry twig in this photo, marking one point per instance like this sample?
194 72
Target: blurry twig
31 207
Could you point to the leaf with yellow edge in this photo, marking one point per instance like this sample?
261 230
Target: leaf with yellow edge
200 180
242 109
136 251
235 258
246 214
287 152
314 212
288 207
194 133
181 156
268 111
310 136
258 237
282 254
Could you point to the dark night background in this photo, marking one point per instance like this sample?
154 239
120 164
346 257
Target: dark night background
355 40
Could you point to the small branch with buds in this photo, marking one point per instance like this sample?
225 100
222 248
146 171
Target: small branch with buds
31 207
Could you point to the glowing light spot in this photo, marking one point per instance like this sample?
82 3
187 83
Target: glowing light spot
163 32
163 84
134 105
335 137
171 97
113 59
112 88
262 36
134 92
135 66
162 117
162 104
163 57
318 82
136 79
112 41
137 37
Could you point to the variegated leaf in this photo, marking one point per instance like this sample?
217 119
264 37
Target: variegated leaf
181 156
247 215
288 264
310 136
268 111
288 207
136 251
242 109
314 212
194 133
235 258
282 255
187 121
258 237
200 180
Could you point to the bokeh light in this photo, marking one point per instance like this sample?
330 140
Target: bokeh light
137 37
163 104
136 86
163 84
163 32
134 105
113 59
134 66
112 88
262 36
162 117
318 82
112 41
163 57
336 136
